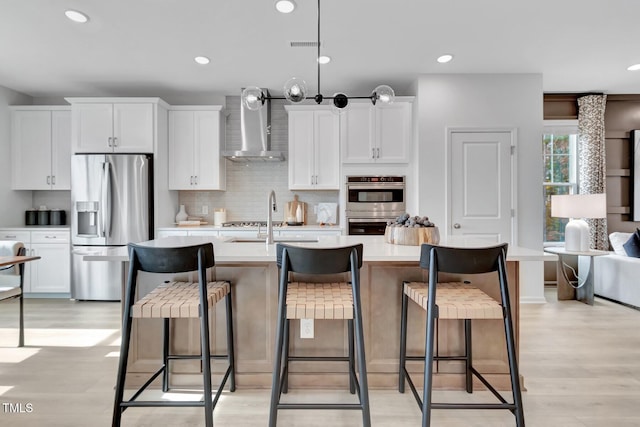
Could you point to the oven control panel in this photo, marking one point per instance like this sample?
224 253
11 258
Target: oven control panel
374 179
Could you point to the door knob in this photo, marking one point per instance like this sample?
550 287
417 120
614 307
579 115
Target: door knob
456 225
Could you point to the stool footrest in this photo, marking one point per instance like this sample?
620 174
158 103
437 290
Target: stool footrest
158 403
441 405
319 358
195 356
319 406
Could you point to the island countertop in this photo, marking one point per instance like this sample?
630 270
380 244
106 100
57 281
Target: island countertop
251 268
375 249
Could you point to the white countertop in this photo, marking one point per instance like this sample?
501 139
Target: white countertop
375 249
310 227
38 228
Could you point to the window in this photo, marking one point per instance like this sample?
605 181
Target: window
559 145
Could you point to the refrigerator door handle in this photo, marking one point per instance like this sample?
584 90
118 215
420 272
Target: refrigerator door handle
102 232
107 199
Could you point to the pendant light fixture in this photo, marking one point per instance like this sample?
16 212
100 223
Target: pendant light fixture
295 90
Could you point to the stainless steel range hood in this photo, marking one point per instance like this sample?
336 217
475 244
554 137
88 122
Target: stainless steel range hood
255 127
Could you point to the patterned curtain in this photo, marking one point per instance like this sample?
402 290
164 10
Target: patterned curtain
592 176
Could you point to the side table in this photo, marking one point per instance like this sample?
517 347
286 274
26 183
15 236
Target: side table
584 287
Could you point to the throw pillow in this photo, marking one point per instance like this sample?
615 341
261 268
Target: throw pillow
618 239
632 247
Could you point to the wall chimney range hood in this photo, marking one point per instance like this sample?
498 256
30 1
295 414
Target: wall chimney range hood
255 128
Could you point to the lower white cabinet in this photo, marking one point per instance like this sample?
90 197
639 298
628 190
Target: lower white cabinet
51 274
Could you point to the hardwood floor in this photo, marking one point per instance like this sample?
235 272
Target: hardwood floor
581 366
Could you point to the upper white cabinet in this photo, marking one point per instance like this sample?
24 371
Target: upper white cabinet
196 135
314 148
40 148
379 134
118 125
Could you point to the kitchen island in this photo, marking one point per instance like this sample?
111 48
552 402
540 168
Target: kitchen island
252 270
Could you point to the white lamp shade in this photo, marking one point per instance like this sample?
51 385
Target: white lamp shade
579 206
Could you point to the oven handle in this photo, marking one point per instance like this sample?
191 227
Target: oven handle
383 220
390 185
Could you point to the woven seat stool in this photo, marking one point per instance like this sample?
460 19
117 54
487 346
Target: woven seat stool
324 300
172 300
459 300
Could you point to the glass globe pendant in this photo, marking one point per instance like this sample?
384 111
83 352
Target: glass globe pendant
295 90
253 98
384 94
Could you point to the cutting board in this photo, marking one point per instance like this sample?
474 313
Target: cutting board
290 211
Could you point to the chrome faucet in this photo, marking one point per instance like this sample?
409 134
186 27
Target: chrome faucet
271 207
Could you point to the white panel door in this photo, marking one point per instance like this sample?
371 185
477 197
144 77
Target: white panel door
207 150
480 173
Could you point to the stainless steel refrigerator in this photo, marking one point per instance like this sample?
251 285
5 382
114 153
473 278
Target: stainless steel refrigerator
112 205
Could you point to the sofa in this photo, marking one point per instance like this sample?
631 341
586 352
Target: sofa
617 276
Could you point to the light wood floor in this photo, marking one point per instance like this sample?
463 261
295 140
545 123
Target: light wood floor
581 366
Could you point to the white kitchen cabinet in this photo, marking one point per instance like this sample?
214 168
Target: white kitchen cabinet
40 148
51 274
196 135
118 125
377 134
314 148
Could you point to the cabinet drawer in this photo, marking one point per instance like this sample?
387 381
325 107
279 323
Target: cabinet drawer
20 236
50 237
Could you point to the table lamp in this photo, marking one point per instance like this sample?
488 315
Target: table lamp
576 207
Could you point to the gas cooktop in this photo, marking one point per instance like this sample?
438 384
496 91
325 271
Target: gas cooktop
250 224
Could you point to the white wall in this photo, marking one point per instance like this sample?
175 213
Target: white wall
12 203
485 100
482 100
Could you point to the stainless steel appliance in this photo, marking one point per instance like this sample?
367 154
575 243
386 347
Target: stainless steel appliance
372 201
112 205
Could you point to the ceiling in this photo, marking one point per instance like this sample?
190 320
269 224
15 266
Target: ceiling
146 47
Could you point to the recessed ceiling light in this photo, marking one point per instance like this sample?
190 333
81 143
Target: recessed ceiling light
76 16
202 60
634 67
285 6
445 58
324 59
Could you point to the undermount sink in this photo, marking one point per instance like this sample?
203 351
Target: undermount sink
279 239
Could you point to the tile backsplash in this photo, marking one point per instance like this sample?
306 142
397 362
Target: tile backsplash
249 184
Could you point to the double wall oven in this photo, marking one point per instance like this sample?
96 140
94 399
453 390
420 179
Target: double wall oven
372 201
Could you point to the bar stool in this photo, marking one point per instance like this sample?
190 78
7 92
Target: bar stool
459 300
300 300
173 300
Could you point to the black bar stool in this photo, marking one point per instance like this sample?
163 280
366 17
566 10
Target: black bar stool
175 300
297 300
459 300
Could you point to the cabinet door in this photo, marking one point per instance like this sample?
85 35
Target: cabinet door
31 150
357 133
181 150
92 128
61 150
393 133
207 168
327 150
133 128
51 273
301 159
